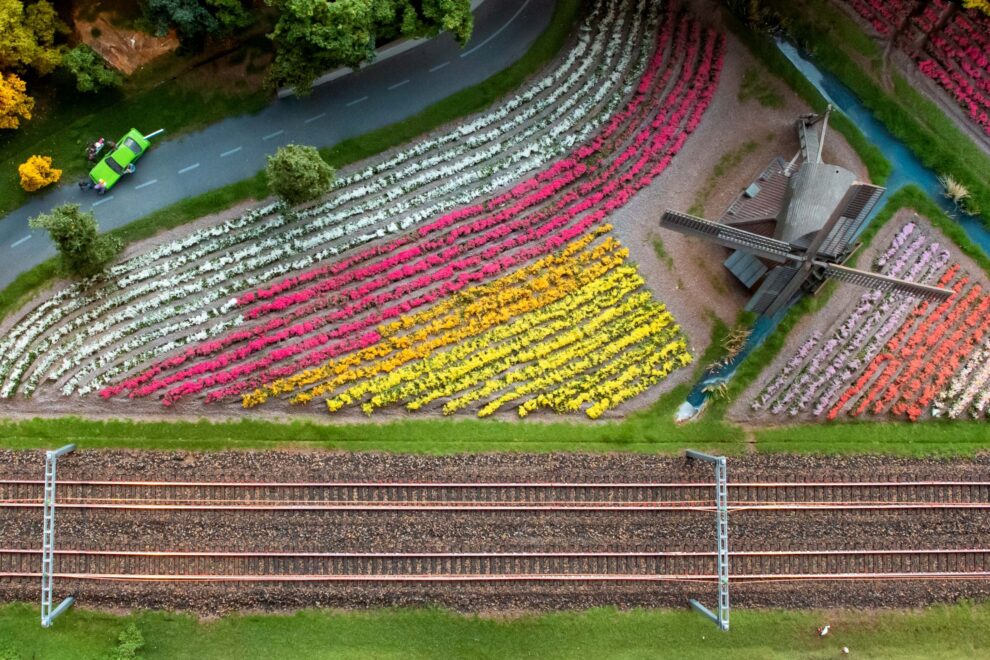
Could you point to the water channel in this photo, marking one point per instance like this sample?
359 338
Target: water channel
907 169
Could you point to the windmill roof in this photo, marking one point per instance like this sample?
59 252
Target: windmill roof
816 189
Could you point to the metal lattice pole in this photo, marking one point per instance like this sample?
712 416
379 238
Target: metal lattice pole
722 538
48 541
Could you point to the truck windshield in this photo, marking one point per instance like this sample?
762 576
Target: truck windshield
133 146
114 165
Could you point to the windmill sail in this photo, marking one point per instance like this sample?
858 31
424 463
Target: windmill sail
730 237
768 296
883 283
851 219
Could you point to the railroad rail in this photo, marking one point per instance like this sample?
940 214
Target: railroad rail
362 496
603 566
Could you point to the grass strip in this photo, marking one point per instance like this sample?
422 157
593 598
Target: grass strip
957 631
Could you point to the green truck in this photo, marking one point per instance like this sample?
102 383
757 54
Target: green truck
120 161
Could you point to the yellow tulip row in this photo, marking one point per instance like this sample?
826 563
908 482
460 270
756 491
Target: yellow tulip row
445 374
481 305
564 365
504 323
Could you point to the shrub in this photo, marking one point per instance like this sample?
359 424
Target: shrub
15 104
37 173
129 643
297 174
82 251
90 69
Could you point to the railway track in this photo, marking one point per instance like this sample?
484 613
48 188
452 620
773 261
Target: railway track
148 566
690 496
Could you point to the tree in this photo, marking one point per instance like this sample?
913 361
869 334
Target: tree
90 69
195 21
129 643
28 40
15 104
82 250
297 174
37 173
312 36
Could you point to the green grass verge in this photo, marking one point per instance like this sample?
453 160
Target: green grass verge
939 632
828 33
764 49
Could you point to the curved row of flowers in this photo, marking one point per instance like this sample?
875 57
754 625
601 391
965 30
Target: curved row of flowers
891 355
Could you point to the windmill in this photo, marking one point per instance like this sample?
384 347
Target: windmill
801 216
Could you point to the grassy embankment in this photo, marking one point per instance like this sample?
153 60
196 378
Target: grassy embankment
938 632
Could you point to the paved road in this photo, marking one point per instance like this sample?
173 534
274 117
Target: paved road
235 148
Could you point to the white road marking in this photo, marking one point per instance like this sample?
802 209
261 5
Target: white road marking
438 67
146 184
102 201
398 85
18 242
498 31
188 169
312 119
271 135
356 101
231 152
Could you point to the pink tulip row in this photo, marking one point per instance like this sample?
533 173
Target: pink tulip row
612 195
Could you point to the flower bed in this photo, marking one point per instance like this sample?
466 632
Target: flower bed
891 355
274 298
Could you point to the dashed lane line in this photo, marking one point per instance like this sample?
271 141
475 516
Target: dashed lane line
18 242
398 85
438 67
146 184
101 201
273 135
498 31
312 119
231 152
356 101
188 169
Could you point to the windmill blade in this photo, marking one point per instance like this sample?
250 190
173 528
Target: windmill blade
859 202
776 290
883 283
727 236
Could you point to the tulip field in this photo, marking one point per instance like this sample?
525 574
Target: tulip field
472 271
893 356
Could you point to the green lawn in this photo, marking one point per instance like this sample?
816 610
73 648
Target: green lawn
939 632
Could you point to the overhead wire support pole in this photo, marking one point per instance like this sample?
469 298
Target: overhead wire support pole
48 541
721 618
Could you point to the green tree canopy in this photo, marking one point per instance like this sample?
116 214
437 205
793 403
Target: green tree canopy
90 69
28 32
313 36
195 21
297 174
82 250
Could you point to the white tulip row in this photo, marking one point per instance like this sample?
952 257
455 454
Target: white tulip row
149 312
